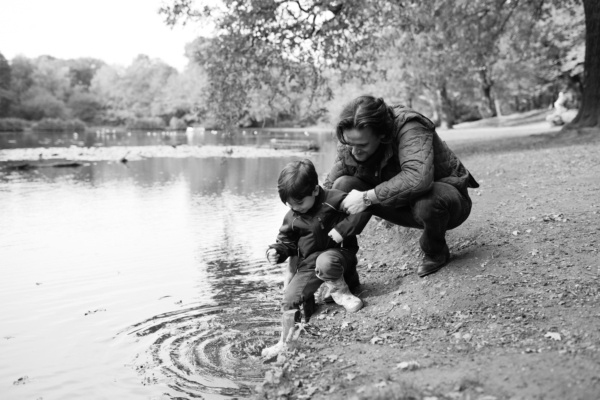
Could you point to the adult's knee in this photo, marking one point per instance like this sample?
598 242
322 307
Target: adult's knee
346 183
426 207
442 203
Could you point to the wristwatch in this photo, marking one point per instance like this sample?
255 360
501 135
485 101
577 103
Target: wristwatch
366 199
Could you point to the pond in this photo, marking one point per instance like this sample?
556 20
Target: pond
144 278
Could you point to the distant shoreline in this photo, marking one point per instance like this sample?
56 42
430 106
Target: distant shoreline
132 153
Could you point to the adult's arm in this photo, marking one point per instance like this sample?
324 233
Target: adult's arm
350 225
415 154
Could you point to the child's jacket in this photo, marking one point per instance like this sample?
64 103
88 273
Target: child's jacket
307 234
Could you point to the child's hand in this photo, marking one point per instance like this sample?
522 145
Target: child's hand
272 256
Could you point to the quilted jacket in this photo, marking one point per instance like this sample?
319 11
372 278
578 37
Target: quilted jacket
405 168
306 235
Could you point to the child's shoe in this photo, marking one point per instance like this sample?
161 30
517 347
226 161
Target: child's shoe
342 296
288 320
323 293
273 351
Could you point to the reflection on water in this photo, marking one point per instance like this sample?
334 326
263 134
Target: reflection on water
138 280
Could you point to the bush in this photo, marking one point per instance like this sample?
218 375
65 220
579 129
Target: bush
109 117
13 124
85 106
41 105
152 123
59 125
177 124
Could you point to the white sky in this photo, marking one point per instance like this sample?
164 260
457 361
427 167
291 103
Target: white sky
115 31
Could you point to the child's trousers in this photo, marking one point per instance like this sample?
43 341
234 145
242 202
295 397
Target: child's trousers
328 265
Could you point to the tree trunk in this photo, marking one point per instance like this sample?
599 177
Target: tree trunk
486 90
436 115
5 93
498 107
435 109
589 112
447 116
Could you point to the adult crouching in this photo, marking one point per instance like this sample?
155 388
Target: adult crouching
391 160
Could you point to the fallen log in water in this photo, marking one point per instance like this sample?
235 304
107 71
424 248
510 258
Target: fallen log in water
30 166
20 167
65 165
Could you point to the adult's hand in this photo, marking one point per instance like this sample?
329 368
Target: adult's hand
353 203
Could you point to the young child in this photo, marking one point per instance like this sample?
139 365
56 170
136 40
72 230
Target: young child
322 237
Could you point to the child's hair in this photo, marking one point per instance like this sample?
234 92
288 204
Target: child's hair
297 180
365 112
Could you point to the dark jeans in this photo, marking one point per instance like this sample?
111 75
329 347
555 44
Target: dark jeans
328 265
441 209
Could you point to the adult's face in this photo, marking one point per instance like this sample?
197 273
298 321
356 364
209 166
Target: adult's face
364 142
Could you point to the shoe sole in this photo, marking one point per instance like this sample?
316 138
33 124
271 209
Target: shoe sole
433 271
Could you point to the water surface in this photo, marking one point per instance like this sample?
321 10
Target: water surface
144 279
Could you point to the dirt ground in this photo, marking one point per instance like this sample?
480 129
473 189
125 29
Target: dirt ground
514 315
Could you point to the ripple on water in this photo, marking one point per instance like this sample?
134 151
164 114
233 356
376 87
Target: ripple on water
208 350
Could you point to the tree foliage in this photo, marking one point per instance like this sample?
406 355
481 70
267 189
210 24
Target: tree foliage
278 48
85 106
82 71
290 62
97 93
442 51
21 77
5 80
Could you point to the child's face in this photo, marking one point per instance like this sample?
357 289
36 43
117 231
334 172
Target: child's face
302 206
